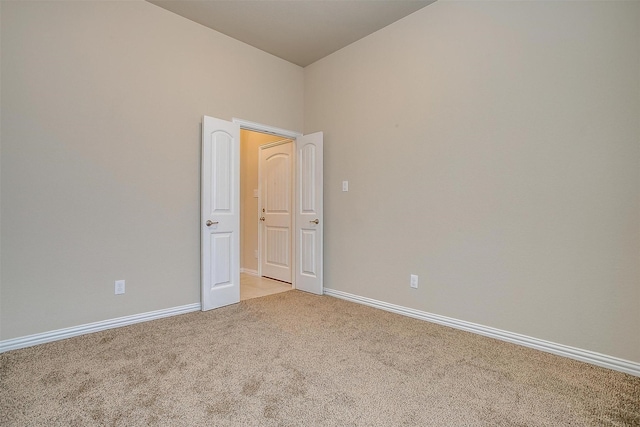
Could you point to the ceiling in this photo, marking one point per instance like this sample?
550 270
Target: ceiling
299 31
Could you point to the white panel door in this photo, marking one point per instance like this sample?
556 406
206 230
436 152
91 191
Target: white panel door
275 184
309 218
220 219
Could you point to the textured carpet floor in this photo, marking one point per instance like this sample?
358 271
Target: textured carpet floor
297 359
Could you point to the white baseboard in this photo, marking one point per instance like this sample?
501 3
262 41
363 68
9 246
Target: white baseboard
587 356
60 334
249 272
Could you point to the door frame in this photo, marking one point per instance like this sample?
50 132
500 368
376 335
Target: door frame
285 134
292 222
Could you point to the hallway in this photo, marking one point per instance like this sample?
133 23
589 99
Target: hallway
255 287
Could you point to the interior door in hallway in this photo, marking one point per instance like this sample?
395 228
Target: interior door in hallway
275 209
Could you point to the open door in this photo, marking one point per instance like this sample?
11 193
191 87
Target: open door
220 219
309 222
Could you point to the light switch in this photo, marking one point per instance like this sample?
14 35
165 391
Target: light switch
345 185
255 193
119 288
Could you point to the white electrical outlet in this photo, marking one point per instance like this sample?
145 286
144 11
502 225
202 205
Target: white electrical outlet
345 185
119 287
414 281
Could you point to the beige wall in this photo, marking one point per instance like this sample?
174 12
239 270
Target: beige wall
492 148
101 110
249 145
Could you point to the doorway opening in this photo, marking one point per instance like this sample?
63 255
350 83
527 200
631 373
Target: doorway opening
220 210
266 196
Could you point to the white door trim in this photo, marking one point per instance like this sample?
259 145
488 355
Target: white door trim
259 127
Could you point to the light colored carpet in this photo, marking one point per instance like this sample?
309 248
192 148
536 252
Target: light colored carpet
295 359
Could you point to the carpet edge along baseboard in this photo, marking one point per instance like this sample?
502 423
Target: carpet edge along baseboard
587 356
60 334
594 358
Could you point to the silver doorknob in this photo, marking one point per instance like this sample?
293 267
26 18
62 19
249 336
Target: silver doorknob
315 221
261 218
210 223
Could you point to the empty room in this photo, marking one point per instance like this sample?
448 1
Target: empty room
462 204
